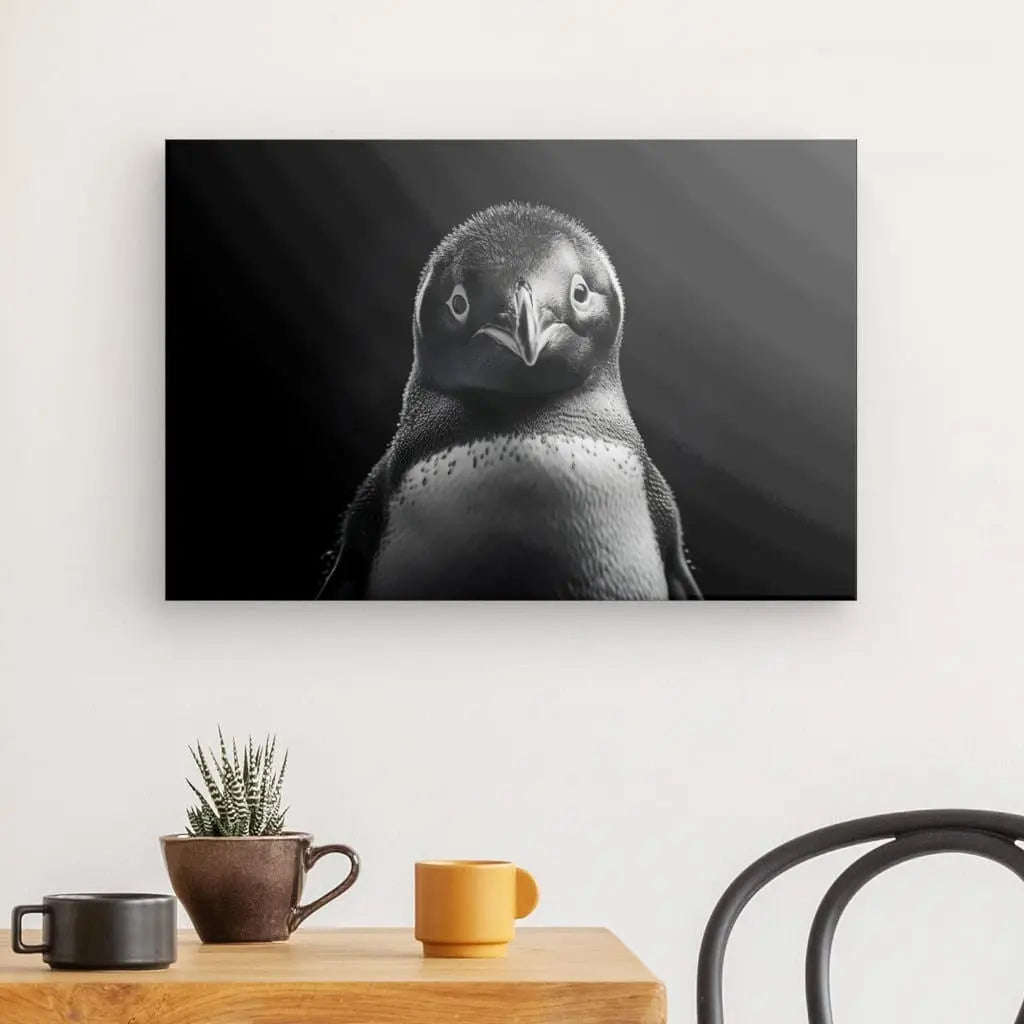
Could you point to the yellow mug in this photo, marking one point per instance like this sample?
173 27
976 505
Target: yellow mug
469 908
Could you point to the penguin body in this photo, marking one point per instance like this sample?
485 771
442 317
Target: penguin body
537 515
516 471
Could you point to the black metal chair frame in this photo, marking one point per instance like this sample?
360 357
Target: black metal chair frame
989 834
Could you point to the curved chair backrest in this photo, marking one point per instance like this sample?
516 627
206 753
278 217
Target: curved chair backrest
988 834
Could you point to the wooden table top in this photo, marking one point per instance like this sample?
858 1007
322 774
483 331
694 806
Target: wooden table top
349 976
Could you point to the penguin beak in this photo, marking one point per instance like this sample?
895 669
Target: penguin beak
527 336
518 329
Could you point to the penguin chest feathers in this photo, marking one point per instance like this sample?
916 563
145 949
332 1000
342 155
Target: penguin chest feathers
543 516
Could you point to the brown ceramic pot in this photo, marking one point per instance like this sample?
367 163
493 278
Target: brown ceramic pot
247 889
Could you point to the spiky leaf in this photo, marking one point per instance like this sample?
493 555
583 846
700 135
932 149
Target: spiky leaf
243 791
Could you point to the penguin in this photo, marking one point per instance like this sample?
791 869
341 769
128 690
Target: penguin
516 470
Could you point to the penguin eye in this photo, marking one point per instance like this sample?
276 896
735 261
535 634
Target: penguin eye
578 291
458 303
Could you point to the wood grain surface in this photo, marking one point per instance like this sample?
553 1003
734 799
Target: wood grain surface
351 976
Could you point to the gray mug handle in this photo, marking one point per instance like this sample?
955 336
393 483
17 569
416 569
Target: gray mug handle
17 916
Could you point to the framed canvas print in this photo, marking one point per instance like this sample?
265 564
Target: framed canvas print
588 370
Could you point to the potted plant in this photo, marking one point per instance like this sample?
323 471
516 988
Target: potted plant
237 872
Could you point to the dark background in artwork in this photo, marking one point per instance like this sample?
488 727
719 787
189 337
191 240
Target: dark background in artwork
291 270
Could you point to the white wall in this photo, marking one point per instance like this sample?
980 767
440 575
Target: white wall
635 758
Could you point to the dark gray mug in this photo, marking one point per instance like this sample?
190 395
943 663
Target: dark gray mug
102 931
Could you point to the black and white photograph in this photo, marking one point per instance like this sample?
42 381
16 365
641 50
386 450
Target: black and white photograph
586 370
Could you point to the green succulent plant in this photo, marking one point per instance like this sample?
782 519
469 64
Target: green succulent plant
243 798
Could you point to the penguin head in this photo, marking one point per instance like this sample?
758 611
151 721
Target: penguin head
518 299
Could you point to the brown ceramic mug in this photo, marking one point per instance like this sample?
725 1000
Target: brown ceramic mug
247 888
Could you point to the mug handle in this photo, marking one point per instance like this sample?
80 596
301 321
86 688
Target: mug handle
312 855
527 893
17 916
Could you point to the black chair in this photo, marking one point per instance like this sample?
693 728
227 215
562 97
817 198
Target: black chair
988 834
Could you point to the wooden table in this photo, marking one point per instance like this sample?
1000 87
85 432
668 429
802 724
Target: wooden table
357 976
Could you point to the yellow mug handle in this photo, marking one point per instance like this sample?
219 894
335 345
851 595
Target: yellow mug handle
527 893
